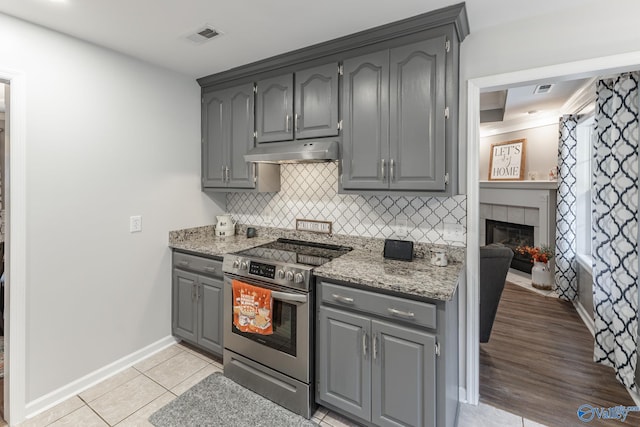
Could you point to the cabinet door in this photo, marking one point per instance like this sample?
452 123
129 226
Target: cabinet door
404 376
316 102
210 314
214 136
274 112
365 133
184 305
345 361
417 135
241 119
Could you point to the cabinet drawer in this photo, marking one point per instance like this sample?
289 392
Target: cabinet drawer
414 312
207 266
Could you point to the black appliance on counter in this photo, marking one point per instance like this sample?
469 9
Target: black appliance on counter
279 366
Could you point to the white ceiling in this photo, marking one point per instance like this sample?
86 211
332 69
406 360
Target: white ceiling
526 109
252 29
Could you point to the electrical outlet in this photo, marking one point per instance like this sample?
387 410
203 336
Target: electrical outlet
401 227
266 215
453 232
135 224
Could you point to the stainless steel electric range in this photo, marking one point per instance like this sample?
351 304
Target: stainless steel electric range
278 366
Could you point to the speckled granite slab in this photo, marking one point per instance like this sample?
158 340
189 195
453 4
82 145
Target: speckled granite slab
417 278
364 265
202 240
218 401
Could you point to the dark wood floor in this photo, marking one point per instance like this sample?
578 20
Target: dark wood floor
538 363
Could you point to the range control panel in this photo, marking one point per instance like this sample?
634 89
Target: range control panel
277 273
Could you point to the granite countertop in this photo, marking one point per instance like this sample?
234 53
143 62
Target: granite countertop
364 266
417 278
202 240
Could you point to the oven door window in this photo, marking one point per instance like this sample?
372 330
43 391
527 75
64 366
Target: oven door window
284 321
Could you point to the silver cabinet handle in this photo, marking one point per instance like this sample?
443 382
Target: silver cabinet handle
383 169
183 263
224 174
364 345
375 346
406 314
286 123
288 297
228 173
194 292
340 298
296 118
392 175
210 269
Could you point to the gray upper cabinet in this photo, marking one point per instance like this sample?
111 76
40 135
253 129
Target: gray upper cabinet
417 116
394 105
309 111
227 133
365 110
393 102
316 102
275 109
213 139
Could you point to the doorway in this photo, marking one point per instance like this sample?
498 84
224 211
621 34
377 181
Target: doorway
587 68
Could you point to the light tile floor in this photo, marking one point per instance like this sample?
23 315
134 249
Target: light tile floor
128 398
489 416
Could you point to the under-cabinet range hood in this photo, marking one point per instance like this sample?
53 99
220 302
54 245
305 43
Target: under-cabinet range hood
294 152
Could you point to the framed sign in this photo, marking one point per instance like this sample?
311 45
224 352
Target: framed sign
506 161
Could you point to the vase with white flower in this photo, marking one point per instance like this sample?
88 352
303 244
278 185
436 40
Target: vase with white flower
541 275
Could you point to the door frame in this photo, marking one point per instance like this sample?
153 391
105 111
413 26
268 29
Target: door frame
15 248
584 68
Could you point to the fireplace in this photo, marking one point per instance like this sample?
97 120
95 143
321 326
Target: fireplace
512 236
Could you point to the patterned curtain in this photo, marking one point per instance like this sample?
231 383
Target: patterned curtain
566 282
615 225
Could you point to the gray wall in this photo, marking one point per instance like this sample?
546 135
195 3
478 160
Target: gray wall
107 136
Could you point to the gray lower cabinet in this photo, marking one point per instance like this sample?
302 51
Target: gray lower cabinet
309 111
197 301
404 376
376 371
344 366
378 357
393 104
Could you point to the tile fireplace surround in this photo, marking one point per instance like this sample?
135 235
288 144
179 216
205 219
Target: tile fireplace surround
520 202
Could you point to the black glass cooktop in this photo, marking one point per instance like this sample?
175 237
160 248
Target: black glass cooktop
296 252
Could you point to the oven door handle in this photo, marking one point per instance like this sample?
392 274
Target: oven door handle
288 297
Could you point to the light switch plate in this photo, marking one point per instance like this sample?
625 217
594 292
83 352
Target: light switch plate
135 224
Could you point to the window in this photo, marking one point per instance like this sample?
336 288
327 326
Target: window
585 134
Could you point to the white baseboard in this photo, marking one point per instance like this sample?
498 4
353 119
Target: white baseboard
65 392
462 395
635 396
586 318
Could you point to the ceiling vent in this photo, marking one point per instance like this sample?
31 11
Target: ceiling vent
204 34
543 89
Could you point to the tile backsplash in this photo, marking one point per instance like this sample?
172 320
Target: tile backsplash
310 191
